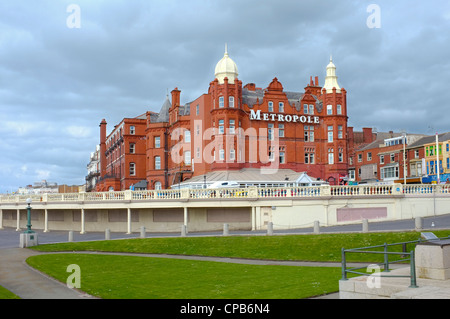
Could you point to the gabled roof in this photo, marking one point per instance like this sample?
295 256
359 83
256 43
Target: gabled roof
381 136
430 139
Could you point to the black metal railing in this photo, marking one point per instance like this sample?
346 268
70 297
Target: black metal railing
404 254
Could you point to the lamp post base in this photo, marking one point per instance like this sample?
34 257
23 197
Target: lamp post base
28 240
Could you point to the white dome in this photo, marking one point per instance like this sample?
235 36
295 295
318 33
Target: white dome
331 78
226 68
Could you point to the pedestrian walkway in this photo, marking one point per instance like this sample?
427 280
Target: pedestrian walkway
28 283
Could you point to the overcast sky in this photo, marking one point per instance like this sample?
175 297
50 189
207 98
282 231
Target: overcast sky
62 70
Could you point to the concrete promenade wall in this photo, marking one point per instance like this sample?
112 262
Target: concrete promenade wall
209 210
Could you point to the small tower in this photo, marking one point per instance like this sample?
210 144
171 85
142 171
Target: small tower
334 127
331 78
226 68
225 112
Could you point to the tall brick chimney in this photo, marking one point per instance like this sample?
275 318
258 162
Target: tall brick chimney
102 148
175 97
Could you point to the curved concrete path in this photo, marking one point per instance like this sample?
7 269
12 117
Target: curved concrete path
28 283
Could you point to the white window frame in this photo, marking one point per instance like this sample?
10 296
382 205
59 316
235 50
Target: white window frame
232 154
270 132
305 109
331 158
231 101
187 158
280 130
282 157
329 109
132 169
221 126
330 133
157 141
157 162
231 126
187 136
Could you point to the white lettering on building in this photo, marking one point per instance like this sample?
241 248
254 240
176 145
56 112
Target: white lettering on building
257 116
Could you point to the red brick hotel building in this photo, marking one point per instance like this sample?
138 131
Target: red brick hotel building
231 127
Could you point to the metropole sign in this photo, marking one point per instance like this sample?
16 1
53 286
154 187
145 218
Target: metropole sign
258 116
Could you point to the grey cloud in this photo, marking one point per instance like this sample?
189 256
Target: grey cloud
127 54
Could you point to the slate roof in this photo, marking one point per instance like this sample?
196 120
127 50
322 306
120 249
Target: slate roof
163 115
381 136
429 139
250 98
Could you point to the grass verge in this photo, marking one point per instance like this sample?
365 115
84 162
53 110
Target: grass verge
129 277
132 277
6 294
323 247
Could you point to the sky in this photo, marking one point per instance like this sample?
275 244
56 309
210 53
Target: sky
66 65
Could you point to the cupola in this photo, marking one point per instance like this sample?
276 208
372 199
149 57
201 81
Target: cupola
226 68
331 78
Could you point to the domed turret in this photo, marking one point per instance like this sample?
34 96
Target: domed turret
226 68
331 78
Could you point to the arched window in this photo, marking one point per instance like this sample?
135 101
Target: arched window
158 186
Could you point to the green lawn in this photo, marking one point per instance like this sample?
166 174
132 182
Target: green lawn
323 247
6 294
130 277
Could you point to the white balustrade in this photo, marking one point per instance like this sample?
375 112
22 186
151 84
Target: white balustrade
233 193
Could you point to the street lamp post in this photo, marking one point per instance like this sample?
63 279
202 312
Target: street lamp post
29 231
29 237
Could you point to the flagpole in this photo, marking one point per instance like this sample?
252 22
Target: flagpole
437 158
404 159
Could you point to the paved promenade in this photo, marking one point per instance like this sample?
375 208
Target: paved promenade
27 283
